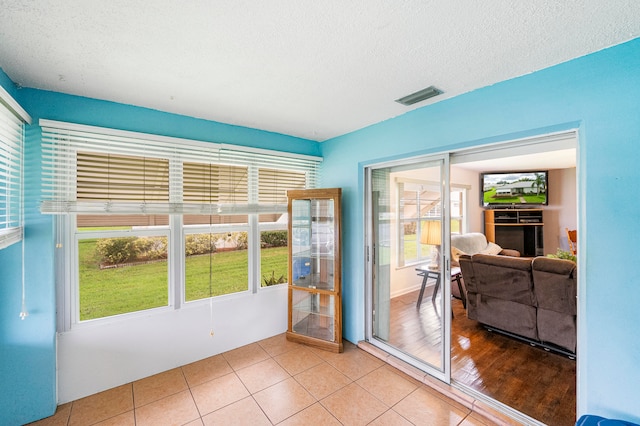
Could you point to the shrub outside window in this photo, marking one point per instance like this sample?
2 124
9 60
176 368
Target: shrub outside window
274 256
121 271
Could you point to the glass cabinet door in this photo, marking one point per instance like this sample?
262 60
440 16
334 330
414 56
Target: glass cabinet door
314 276
312 244
313 314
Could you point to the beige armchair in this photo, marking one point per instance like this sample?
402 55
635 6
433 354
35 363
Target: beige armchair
475 242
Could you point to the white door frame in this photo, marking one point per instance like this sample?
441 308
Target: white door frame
442 159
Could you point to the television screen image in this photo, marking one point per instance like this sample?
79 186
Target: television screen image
514 188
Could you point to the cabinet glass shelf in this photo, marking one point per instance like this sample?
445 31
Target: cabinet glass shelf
313 314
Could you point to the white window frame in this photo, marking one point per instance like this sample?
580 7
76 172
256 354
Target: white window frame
464 191
74 281
422 257
59 198
268 226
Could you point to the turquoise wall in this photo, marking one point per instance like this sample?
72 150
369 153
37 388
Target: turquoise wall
76 109
600 95
28 385
27 355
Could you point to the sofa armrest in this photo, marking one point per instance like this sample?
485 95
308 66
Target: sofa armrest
509 252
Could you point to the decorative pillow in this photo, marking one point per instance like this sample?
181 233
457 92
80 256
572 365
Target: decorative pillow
455 255
492 248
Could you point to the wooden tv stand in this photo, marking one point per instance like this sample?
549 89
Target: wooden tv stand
518 229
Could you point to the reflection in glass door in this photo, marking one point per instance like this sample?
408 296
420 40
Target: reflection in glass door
409 306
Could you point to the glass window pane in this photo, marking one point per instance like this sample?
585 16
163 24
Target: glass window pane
456 203
203 219
410 237
274 258
456 226
409 205
104 222
122 275
280 218
215 264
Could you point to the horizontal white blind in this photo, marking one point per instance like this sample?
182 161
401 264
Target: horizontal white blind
273 184
95 170
107 177
214 183
11 152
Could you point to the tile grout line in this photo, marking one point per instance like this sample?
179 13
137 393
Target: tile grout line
423 378
291 376
190 393
323 361
375 397
252 395
317 401
133 400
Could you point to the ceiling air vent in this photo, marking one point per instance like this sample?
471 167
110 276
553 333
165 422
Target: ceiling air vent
419 96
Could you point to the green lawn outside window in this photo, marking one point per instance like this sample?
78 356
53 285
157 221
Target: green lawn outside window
137 287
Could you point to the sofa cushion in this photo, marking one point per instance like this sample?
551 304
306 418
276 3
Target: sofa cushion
556 284
557 328
555 290
503 314
502 277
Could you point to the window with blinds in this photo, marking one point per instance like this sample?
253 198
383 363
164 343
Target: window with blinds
12 119
106 177
214 183
94 170
273 184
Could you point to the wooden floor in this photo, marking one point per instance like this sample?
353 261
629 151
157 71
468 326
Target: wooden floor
529 379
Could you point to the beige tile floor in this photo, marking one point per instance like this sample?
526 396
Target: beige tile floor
270 382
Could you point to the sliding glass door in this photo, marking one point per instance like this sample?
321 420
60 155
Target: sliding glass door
408 271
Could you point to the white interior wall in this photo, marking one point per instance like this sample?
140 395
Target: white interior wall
97 357
471 179
561 212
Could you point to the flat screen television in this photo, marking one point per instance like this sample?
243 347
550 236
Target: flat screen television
514 189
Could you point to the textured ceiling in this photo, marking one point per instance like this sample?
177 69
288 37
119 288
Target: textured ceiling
313 69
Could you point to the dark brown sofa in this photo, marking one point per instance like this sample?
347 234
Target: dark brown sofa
473 243
532 298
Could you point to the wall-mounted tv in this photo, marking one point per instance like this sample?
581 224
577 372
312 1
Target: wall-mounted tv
514 189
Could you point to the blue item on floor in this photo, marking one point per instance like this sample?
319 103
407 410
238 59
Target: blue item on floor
591 420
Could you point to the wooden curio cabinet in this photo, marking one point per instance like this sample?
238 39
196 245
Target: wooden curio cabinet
315 305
